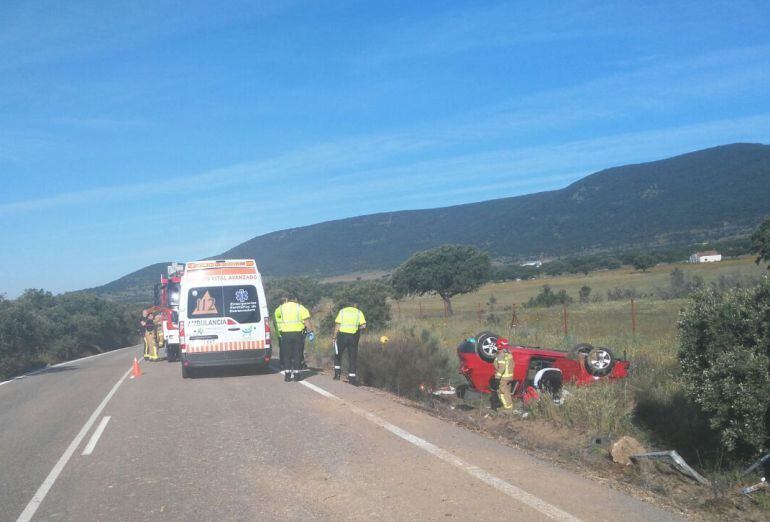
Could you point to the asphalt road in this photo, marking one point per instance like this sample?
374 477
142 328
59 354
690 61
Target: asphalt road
230 446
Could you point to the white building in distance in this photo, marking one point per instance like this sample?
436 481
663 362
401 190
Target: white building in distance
710 256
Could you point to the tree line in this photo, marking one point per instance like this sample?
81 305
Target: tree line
40 328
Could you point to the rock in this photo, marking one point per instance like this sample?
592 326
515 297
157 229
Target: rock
622 450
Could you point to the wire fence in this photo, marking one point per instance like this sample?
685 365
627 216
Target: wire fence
629 318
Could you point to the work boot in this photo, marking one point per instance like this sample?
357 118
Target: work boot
287 376
337 374
297 376
352 379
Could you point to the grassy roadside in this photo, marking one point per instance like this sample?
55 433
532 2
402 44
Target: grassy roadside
649 405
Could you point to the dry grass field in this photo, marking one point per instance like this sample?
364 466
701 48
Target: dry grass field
650 405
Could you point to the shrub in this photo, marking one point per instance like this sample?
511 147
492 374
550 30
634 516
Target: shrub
584 293
547 297
404 364
724 356
622 294
371 297
308 291
680 286
39 328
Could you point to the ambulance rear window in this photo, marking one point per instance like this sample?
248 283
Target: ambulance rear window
239 303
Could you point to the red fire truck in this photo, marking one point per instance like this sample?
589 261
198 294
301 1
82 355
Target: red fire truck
167 298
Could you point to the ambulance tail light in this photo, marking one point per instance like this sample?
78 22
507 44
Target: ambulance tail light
182 343
267 333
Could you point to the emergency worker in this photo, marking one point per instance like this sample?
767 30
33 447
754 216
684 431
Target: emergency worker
157 321
504 376
282 352
347 330
293 321
148 323
143 332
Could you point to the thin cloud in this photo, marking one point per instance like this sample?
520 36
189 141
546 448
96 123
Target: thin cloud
354 158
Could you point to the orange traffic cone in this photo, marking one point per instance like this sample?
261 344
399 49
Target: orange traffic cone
135 371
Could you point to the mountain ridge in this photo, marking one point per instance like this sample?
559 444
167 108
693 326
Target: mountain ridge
710 194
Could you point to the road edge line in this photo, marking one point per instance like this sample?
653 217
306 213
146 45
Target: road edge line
42 491
43 370
95 437
499 484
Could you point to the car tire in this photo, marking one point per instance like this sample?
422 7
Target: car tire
486 346
580 349
600 361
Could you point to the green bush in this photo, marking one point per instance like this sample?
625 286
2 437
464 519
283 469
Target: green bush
725 357
547 297
308 291
39 328
371 297
404 364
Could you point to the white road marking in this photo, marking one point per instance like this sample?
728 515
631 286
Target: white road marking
95 437
41 370
512 491
42 491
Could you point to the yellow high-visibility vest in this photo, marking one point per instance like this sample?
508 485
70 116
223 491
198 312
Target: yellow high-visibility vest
291 317
350 319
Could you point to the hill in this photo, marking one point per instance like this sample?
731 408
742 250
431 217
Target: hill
710 194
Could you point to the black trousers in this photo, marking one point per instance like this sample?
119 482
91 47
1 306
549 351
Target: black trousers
283 355
349 342
293 343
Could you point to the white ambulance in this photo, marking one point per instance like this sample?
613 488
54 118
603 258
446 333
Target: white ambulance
223 316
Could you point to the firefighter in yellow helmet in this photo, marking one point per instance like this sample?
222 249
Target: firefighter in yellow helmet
347 330
293 321
504 376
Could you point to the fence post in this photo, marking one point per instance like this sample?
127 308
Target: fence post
566 329
420 312
514 321
478 312
633 316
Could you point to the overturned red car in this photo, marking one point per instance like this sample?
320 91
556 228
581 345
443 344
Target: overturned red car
537 367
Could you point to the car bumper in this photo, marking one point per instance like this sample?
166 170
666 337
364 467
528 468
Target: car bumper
233 358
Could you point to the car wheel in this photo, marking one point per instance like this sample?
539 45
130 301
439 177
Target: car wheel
486 346
600 361
580 349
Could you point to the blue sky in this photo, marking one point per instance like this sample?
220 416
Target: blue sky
144 131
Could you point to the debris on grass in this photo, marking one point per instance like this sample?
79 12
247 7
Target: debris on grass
762 484
677 461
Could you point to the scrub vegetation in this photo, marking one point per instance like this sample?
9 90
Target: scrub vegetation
653 401
39 328
662 403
